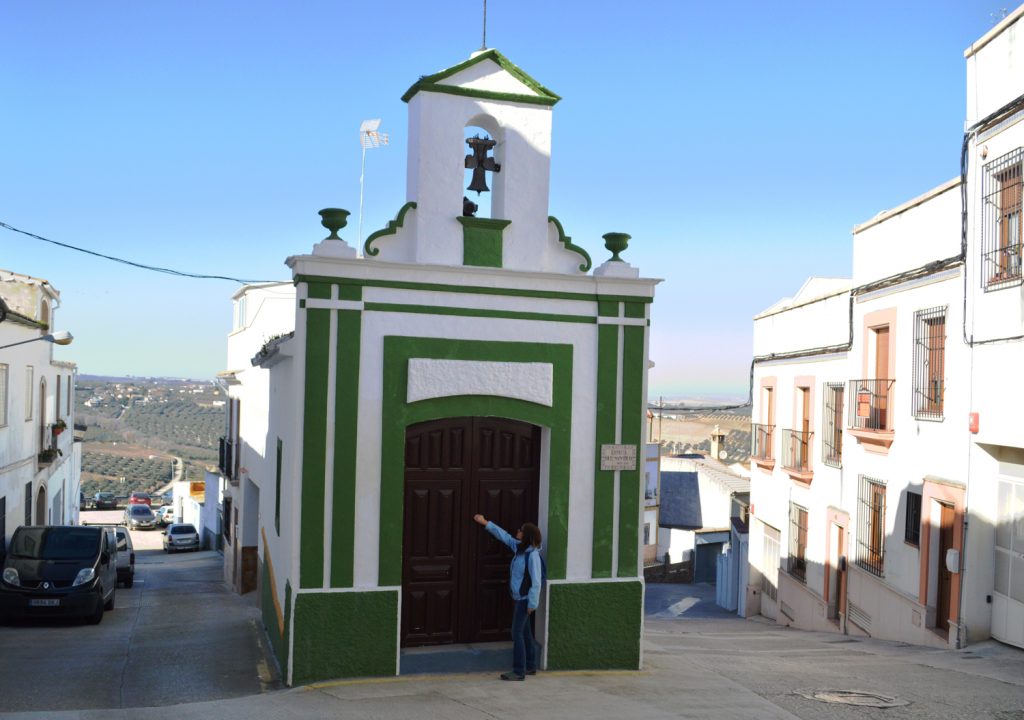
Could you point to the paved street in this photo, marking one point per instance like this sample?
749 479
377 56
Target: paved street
698 663
177 636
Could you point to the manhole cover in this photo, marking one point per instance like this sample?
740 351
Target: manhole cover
861 698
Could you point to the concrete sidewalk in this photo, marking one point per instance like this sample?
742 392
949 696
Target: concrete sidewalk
719 668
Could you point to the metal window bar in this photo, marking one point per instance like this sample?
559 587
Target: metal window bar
797 563
871 525
761 437
869 403
1002 209
929 363
912 529
832 437
796 450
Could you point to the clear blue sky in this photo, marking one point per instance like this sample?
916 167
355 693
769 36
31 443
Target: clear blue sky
738 143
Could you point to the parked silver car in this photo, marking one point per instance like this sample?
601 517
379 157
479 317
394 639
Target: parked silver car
139 517
181 536
125 557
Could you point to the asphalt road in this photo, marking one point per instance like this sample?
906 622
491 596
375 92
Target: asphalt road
178 636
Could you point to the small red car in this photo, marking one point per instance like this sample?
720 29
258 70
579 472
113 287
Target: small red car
140 498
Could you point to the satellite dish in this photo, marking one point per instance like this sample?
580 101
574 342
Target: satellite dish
722 454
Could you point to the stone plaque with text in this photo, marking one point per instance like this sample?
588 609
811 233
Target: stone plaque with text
618 457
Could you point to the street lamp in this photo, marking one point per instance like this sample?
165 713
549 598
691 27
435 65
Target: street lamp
61 337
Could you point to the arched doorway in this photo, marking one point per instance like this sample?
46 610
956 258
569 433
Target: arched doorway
41 507
455 575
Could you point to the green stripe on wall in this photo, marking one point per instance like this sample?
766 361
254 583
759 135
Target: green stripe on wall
346 423
604 480
397 415
314 447
632 424
471 289
475 312
636 310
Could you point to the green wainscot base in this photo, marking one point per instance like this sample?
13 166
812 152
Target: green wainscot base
277 627
344 635
594 625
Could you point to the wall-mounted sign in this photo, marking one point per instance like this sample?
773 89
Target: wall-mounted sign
197 490
618 457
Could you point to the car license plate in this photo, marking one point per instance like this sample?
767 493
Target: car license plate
44 602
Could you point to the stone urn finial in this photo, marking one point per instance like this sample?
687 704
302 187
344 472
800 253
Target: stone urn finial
616 242
334 219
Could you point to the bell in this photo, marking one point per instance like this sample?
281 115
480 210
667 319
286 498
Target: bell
479 182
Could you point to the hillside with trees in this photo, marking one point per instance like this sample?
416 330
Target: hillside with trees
137 426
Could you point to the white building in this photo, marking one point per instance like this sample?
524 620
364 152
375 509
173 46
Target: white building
464 364
264 317
877 508
40 462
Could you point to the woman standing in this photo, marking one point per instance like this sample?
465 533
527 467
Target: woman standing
525 577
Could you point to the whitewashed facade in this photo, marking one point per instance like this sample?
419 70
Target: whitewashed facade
888 461
462 364
40 464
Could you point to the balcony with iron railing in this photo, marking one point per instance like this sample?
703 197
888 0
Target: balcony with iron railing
871 413
796 454
762 453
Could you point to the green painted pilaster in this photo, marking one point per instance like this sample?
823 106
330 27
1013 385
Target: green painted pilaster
604 480
346 424
632 423
314 441
594 626
344 634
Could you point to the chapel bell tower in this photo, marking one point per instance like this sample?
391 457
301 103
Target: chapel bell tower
509 153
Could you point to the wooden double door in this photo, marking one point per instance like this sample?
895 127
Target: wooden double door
454 574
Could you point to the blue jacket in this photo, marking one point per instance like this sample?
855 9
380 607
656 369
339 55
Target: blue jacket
518 567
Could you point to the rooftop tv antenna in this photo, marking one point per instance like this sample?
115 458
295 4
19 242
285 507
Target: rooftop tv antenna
483 44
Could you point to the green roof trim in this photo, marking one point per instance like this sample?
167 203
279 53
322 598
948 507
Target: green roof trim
391 229
567 241
431 83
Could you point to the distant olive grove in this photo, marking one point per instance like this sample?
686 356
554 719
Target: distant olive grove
150 415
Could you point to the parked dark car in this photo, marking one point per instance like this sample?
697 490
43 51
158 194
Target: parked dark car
105 501
59 571
139 516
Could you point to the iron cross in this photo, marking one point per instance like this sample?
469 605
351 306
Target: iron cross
479 163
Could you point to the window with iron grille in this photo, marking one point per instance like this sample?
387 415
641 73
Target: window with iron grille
871 525
929 362
912 531
1001 221
832 437
798 542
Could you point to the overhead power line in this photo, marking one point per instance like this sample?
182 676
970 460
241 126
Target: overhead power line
141 266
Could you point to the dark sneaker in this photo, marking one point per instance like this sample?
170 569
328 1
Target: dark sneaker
512 676
531 672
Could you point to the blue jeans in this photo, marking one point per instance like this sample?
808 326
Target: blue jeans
523 651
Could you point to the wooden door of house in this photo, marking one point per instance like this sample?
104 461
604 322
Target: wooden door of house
454 574
881 377
945 576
